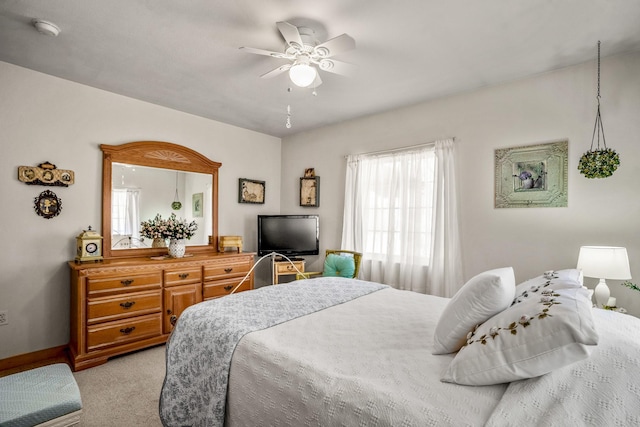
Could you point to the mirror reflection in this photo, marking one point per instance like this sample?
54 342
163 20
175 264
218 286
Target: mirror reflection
139 193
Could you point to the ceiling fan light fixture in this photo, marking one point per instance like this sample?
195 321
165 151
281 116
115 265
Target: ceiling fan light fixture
302 74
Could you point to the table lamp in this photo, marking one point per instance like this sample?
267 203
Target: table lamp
604 262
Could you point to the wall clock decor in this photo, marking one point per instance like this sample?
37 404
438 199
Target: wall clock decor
45 174
47 204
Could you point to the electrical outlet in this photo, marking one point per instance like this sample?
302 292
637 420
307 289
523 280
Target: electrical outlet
4 317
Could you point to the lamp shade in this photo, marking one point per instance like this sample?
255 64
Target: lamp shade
302 74
604 262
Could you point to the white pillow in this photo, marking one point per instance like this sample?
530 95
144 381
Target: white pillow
559 279
529 339
480 298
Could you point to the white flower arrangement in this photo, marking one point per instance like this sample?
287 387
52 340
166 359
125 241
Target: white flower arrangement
170 228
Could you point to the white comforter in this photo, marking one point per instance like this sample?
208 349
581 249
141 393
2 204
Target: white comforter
603 390
362 364
355 364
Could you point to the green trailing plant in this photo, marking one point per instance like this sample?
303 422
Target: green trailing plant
631 286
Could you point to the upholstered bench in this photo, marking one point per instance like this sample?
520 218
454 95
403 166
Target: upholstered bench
46 396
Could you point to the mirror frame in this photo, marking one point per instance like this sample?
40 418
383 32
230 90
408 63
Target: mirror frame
157 154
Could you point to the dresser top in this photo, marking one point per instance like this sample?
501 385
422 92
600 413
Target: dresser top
163 262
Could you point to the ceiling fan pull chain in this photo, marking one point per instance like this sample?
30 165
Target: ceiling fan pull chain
288 123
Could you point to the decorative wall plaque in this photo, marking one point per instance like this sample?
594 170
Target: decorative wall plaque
532 176
45 174
251 191
47 204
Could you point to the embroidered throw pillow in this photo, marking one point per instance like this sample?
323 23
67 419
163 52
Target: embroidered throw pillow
480 298
529 339
559 279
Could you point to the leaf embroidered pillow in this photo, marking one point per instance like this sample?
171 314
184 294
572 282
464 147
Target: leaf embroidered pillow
529 339
559 279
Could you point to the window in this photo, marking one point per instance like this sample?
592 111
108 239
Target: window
400 212
125 213
397 199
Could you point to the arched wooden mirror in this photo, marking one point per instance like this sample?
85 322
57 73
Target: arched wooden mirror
145 178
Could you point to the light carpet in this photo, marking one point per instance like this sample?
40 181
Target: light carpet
125 391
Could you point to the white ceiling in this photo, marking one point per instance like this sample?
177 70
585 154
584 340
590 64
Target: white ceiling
184 54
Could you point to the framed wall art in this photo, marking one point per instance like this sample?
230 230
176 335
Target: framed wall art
47 204
531 176
196 204
251 191
310 191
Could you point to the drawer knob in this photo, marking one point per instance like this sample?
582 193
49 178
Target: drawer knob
228 288
173 319
127 331
228 270
127 304
290 267
126 282
183 275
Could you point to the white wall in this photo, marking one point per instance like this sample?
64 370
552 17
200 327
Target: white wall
43 118
549 107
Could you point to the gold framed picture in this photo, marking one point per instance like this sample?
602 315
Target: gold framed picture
310 191
251 191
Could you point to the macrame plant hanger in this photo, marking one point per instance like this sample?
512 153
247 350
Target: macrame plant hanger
601 162
176 205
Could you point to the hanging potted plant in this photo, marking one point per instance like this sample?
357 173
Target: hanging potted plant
601 162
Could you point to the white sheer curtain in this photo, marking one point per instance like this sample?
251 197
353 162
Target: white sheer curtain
125 212
395 208
445 272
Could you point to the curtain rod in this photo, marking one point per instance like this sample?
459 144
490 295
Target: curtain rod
392 150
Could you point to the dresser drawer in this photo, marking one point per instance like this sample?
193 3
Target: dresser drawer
285 267
127 282
224 287
182 276
228 269
119 307
123 331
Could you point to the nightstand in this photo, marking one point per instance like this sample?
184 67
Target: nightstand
284 268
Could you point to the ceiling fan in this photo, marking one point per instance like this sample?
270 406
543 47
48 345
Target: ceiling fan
305 54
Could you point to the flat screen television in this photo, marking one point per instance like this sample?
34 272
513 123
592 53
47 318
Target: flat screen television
290 235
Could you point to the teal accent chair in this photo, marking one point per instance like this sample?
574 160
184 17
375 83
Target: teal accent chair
337 263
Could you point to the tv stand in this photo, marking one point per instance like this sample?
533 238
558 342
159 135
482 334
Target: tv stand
282 267
292 258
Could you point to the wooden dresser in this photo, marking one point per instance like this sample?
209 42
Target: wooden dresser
123 305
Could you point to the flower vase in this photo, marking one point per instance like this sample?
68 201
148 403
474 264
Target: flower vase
176 248
159 242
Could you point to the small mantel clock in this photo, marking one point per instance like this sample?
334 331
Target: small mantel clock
89 246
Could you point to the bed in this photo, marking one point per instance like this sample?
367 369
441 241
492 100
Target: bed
334 352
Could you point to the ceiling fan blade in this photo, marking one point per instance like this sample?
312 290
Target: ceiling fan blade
290 34
265 52
337 67
335 46
281 69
